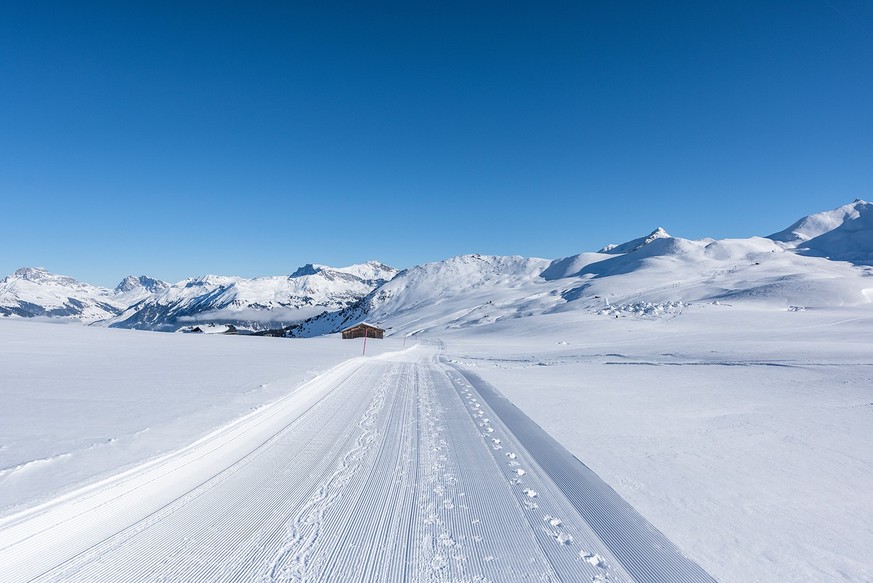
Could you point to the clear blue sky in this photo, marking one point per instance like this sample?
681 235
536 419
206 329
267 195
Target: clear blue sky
180 138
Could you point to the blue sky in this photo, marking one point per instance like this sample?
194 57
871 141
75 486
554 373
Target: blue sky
179 138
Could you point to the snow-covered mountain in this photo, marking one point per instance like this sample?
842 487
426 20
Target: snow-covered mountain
843 234
819 261
134 289
433 292
635 244
825 259
254 304
34 292
146 303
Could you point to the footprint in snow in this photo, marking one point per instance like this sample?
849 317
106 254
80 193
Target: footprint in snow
530 493
438 563
519 472
432 518
511 456
552 520
563 538
593 559
446 540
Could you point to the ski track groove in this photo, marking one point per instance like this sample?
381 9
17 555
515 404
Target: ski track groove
177 555
394 468
646 555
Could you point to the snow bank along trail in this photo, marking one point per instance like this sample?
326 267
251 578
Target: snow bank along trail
394 468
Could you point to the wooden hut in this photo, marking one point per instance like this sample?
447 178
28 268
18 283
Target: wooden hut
363 330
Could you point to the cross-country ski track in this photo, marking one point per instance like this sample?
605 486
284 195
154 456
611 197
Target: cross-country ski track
391 468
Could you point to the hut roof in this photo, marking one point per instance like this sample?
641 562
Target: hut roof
364 324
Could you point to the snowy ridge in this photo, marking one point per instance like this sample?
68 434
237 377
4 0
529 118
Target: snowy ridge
34 292
146 303
134 289
635 244
843 234
432 292
821 260
818 224
254 304
653 276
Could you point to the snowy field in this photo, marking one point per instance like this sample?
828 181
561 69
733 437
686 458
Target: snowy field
83 402
392 467
742 432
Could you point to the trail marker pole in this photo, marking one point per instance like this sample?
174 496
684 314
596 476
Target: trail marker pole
365 342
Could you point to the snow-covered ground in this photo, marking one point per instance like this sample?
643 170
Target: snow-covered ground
386 468
723 388
744 433
82 402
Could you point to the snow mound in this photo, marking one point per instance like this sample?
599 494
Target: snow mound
645 310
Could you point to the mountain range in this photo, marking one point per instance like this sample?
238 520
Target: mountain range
822 260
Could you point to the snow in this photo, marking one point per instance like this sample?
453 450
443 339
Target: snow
722 388
818 224
753 441
737 431
146 303
635 244
83 402
255 304
843 234
34 292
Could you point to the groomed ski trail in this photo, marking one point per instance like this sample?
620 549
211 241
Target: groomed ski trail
394 468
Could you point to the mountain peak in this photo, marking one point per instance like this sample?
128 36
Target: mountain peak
818 224
635 244
308 269
841 234
41 276
35 274
132 282
373 271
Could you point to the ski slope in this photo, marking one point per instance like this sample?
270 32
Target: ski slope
389 468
